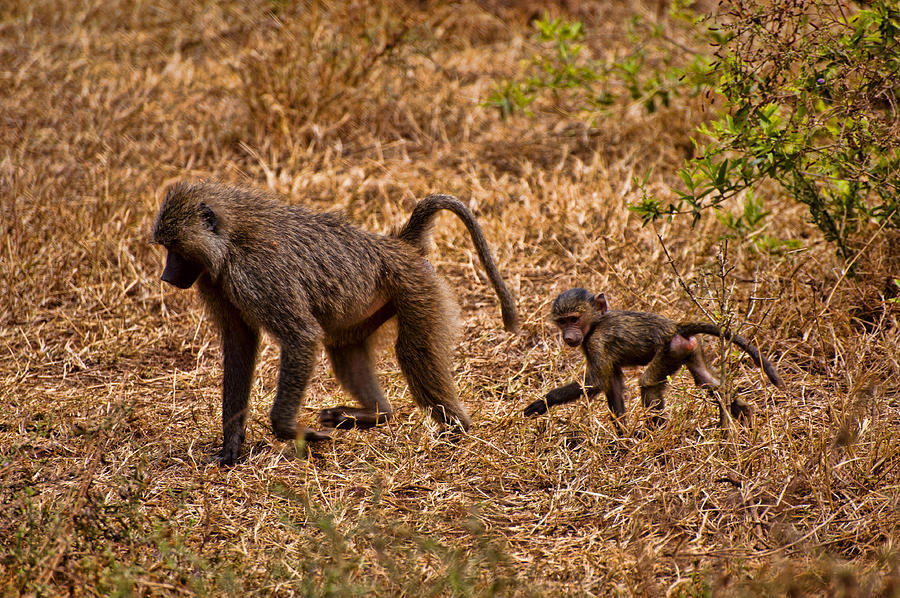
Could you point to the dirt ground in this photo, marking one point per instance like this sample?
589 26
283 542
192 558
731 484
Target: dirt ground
110 379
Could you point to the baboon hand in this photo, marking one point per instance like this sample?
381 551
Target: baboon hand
557 396
539 407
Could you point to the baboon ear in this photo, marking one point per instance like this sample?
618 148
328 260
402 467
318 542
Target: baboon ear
208 217
600 303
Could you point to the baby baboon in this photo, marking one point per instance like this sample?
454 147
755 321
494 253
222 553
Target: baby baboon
310 277
613 339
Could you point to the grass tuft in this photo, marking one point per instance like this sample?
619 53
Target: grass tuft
109 381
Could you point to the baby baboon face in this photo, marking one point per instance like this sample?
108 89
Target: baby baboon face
574 312
573 328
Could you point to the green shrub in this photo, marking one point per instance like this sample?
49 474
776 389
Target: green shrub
810 101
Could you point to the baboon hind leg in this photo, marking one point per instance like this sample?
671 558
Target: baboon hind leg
704 378
352 366
615 398
654 382
696 365
741 411
424 347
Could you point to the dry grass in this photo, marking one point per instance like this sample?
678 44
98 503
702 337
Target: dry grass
109 380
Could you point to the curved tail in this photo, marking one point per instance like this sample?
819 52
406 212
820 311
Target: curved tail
690 328
418 227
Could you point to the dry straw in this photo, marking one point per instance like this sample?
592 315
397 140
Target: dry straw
110 381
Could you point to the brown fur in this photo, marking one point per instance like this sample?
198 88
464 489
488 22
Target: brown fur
613 339
307 278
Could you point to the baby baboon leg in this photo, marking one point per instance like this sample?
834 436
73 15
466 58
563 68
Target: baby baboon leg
297 362
739 410
564 394
720 404
615 398
352 366
696 365
615 393
653 397
703 378
654 380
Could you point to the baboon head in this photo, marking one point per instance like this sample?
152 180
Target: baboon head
573 312
190 229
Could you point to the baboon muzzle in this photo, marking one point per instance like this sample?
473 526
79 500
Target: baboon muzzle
179 271
572 338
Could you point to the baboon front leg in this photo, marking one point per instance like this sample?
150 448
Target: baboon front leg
297 362
352 366
240 343
564 394
604 374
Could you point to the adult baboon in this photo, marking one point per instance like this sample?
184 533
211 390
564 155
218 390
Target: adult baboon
613 339
309 278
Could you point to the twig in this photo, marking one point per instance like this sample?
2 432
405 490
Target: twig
681 279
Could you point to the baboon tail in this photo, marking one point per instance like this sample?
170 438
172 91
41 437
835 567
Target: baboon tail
418 227
691 328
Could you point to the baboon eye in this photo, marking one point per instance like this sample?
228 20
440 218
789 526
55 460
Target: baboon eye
208 217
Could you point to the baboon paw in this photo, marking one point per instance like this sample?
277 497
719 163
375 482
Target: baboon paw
335 417
228 456
742 412
283 432
539 407
310 435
